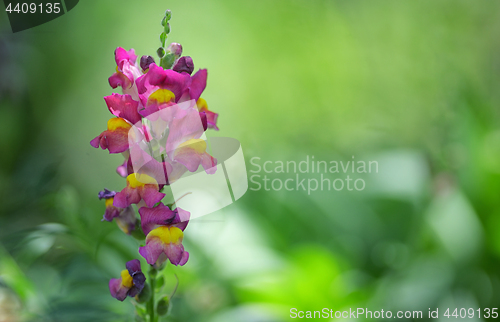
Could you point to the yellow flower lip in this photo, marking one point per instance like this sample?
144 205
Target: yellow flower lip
136 180
167 235
116 123
127 280
161 96
109 202
201 104
198 145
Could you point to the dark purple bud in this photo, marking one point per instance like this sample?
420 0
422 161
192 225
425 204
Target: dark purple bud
146 61
106 194
184 64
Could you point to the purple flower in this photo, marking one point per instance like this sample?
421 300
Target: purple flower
125 217
130 283
164 233
139 187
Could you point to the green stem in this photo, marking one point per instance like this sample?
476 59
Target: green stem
151 303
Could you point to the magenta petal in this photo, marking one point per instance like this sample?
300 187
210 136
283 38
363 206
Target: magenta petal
198 84
121 54
110 213
209 163
123 106
181 219
126 197
166 79
122 168
184 259
153 77
152 217
176 82
95 141
212 120
117 290
119 79
151 195
117 141
174 253
151 251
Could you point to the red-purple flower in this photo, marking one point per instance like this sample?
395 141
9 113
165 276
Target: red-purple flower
139 187
125 217
164 233
123 106
130 283
115 138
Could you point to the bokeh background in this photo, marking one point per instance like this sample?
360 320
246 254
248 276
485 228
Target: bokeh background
413 85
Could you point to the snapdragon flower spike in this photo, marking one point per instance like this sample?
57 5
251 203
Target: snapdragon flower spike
125 217
164 233
139 187
211 117
130 283
115 138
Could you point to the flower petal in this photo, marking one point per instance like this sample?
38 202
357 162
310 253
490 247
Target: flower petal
123 106
117 290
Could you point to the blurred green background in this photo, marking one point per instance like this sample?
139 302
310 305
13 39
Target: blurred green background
413 85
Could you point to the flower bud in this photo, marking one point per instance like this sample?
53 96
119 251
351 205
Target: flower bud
145 295
163 305
175 49
160 52
159 283
167 61
168 14
146 61
163 38
184 64
167 28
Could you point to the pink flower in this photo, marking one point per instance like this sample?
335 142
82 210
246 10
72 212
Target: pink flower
139 187
126 73
164 229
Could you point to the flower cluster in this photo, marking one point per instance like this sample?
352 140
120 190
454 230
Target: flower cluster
157 125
